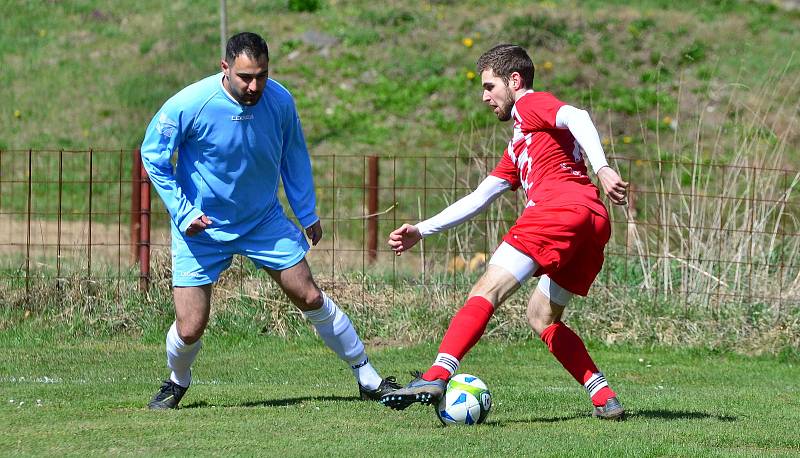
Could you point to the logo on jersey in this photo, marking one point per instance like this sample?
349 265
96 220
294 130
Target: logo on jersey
242 117
568 169
165 126
189 274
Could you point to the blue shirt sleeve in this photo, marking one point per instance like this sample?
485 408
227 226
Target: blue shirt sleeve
163 136
298 181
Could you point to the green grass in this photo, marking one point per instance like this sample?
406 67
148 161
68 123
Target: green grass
256 395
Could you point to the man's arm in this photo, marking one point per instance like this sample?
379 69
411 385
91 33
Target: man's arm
161 138
582 128
407 235
297 177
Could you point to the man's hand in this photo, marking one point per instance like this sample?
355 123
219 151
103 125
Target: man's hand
197 226
403 238
314 232
613 186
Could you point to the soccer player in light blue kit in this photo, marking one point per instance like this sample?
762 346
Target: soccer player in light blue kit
237 134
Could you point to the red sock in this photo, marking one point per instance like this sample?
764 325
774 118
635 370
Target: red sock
465 329
569 350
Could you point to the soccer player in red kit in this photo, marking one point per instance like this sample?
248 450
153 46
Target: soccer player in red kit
559 237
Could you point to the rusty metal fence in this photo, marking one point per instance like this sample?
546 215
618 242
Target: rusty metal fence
700 234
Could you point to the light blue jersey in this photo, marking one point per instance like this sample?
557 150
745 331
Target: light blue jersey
230 159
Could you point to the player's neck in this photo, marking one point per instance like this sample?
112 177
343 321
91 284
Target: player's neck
520 92
227 87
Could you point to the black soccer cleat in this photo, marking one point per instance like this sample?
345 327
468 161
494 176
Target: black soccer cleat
613 410
418 390
167 397
388 385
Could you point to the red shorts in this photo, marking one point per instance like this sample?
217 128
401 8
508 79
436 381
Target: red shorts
567 242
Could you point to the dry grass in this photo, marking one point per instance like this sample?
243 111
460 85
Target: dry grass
707 256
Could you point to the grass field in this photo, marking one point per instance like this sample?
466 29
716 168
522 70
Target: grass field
700 82
257 395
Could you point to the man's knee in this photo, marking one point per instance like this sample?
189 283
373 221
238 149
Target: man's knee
192 331
313 299
489 294
539 322
192 308
542 312
309 299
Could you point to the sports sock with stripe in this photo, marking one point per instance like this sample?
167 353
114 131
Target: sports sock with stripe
570 351
337 331
466 328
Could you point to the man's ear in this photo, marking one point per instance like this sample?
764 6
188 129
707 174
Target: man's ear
223 64
515 81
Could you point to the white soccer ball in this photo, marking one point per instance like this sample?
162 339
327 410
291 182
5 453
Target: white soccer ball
466 401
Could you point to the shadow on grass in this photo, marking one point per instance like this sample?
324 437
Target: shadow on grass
630 415
678 415
273 402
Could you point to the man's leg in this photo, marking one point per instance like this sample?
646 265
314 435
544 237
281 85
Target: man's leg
545 308
506 271
192 307
469 323
333 326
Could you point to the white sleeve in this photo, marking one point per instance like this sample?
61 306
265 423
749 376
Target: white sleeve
466 207
582 128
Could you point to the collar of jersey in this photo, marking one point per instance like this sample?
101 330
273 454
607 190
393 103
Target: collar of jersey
227 94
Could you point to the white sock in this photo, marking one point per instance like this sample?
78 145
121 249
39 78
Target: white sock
180 357
449 362
366 375
338 333
596 382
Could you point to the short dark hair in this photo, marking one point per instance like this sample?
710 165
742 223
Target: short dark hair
248 43
506 59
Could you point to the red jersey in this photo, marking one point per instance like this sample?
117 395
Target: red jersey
545 160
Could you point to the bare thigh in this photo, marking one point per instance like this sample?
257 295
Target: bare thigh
495 285
298 284
192 308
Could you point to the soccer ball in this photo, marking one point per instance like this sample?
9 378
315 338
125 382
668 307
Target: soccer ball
466 401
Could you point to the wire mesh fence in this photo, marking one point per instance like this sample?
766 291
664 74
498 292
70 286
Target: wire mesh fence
694 234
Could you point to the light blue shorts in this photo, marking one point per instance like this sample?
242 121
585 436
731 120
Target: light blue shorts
199 260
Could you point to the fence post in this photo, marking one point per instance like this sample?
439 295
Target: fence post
28 233
630 237
144 231
372 209
89 217
136 206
